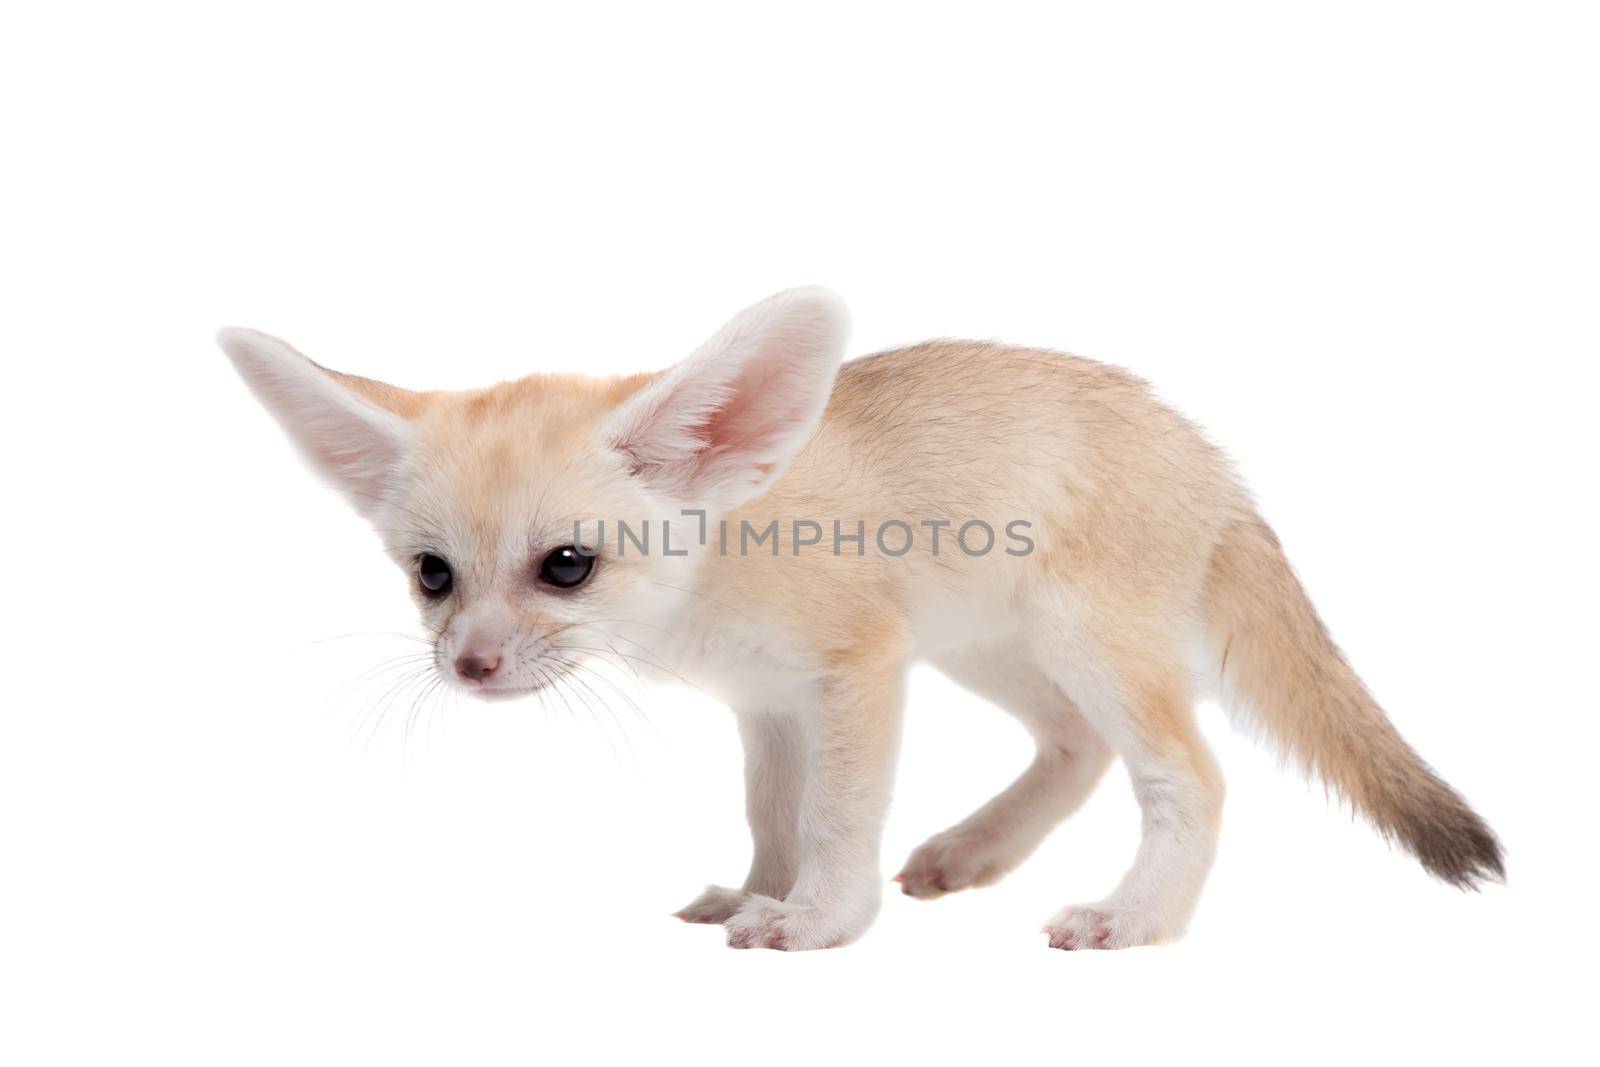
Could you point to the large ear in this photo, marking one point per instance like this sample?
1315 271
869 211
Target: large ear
721 426
353 430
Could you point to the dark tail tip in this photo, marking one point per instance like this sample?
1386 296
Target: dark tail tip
1456 846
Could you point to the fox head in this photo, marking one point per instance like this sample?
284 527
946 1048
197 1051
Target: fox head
491 500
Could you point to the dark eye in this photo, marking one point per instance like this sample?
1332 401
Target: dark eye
566 567
434 575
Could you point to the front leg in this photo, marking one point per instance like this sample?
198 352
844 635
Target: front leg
851 732
775 753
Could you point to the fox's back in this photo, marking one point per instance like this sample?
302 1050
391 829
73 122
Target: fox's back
994 426
1112 488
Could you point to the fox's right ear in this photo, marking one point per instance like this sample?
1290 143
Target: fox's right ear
353 430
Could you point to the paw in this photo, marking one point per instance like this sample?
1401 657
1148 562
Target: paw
716 905
950 861
764 922
1102 926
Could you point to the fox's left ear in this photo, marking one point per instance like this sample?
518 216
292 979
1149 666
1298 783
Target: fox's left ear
719 428
353 430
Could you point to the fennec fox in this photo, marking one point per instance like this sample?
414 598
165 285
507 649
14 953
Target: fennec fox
791 535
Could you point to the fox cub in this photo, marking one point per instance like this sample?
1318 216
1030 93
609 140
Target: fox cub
791 534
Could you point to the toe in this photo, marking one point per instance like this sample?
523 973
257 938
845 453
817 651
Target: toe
716 905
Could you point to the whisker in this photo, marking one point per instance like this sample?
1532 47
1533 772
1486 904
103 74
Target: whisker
559 680
574 667
409 659
375 700
655 659
578 665
388 705
417 703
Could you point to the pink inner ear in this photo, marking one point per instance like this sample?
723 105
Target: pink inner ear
721 429
767 399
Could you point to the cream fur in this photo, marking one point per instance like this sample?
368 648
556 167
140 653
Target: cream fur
1147 556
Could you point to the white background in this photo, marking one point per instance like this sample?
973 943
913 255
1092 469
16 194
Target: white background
1356 241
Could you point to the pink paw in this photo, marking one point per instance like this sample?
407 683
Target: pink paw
947 863
1081 927
764 922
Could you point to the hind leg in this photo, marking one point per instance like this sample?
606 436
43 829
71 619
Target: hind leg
998 836
1135 692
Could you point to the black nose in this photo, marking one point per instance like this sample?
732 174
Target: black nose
476 667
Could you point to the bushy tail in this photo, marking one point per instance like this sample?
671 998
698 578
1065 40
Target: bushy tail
1282 673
